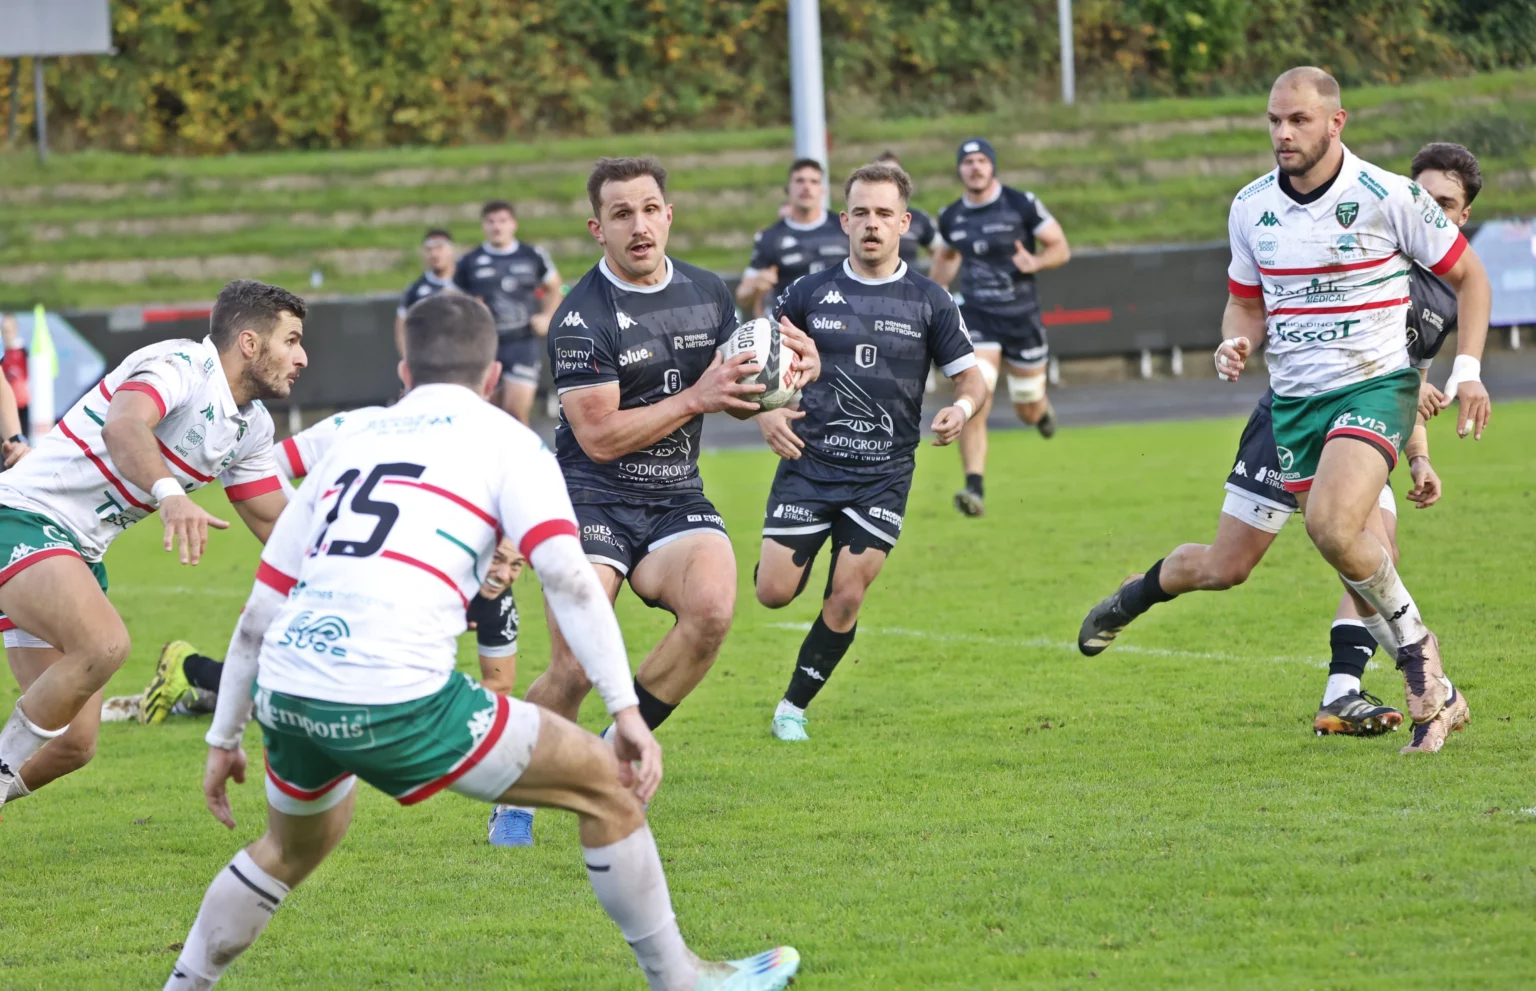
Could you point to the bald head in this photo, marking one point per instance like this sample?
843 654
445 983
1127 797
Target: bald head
1310 78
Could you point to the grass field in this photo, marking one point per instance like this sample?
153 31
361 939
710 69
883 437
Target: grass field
979 806
102 229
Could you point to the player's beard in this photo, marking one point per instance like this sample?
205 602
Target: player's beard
265 375
1309 157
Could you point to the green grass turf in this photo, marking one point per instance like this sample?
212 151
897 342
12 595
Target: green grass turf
979 806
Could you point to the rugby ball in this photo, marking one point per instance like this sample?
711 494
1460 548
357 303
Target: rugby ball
761 337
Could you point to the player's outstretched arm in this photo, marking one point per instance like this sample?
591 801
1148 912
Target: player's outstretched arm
260 513
225 758
970 394
1242 331
1474 302
10 425
129 433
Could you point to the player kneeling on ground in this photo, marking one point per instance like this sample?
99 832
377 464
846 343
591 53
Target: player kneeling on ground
848 450
349 637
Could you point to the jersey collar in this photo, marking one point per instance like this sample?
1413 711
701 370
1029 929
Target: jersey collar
432 278
795 226
666 260
1349 166
896 276
226 398
986 202
503 252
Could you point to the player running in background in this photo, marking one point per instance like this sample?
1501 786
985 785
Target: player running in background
922 232
1005 236
167 421
520 285
848 451
808 240
1339 429
438 263
636 368
349 640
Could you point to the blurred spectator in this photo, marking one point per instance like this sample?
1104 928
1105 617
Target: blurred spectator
437 262
14 365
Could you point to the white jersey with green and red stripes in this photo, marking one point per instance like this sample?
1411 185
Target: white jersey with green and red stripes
390 536
203 434
305 449
1332 267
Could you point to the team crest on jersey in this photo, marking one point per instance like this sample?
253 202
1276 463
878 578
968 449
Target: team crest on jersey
509 283
1345 213
864 355
1347 243
1286 458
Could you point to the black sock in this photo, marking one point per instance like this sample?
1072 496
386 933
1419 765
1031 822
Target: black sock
203 672
819 654
1352 645
1145 592
973 484
652 709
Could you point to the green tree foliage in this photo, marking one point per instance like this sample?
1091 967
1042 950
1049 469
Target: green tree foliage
208 76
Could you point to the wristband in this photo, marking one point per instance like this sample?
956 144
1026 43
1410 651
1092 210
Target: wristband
966 406
164 489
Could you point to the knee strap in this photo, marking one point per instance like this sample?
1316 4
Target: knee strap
1026 389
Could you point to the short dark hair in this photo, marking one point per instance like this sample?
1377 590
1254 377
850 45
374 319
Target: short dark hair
246 304
887 157
608 170
804 163
1454 160
449 337
880 172
496 206
436 232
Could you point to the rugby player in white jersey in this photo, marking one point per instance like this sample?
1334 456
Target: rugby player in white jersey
1322 249
167 421
1257 506
349 640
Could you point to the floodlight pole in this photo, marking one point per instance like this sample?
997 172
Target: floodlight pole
805 89
40 99
1068 67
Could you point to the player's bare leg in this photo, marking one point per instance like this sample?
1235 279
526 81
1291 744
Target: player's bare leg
59 601
694 577
563 685
970 500
1026 388
63 754
516 397
1349 478
1225 562
1346 707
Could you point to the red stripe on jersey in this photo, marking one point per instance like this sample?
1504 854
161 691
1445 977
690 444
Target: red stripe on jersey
173 459
148 390
250 490
295 458
423 792
1380 304
1325 269
424 566
102 385
490 520
274 579
536 535
302 794
24 563
1242 290
1453 256
101 466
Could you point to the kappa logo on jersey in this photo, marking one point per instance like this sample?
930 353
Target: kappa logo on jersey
1268 220
625 320
832 296
1241 469
633 355
864 355
575 354
319 634
573 319
1345 213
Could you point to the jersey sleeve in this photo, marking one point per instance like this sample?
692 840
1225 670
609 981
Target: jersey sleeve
283 554
1423 232
1035 215
791 304
299 454
1432 315
764 254
927 232
728 320
405 301
254 471
171 380
461 275
1243 273
532 503
546 264
949 343
584 352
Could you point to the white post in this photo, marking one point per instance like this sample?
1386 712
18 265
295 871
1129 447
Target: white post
805 87
1514 337
1068 67
1176 362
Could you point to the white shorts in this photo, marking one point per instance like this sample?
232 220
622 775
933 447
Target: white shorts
1251 510
1387 501
21 638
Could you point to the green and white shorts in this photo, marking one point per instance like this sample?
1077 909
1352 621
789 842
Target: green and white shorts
1380 411
25 539
463 737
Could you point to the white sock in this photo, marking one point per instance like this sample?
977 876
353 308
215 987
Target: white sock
1377 627
1339 685
20 738
17 790
503 807
1385 592
237 907
627 878
787 708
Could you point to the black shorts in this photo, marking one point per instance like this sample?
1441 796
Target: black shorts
620 534
1256 472
809 502
1021 337
521 357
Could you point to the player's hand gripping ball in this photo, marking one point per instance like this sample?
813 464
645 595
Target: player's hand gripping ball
761 337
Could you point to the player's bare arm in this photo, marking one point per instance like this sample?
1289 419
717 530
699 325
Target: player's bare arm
14 447
1426 489
1242 331
260 513
1474 300
606 432
970 393
129 433
946 265
1053 252
553 289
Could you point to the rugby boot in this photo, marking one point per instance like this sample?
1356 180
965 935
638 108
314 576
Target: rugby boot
789 727
1104 622
1356 714
510 826
1424 679
1047 422
1429 737
771 970
169 685
970 503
